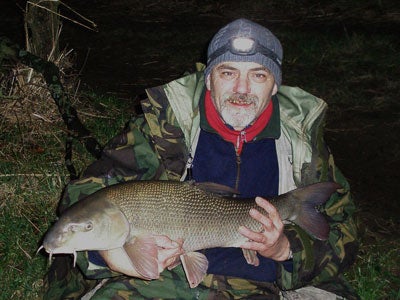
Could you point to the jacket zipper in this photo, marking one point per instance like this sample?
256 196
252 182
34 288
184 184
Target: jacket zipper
238 162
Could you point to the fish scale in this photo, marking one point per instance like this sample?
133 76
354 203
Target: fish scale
214 219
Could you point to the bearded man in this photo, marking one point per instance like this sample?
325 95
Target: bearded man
232 123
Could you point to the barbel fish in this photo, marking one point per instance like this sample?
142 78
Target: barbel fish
122 219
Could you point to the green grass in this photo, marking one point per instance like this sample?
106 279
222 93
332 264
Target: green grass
376 275
32 177
27 209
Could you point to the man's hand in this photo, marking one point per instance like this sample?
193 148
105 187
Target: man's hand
270 242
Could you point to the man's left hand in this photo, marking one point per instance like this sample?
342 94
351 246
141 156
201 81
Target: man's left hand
270 241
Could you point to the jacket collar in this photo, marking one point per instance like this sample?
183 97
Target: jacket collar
272 130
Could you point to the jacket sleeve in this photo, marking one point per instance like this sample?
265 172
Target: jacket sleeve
320 263
130 155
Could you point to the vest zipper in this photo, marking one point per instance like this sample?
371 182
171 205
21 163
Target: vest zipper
241 139
238 162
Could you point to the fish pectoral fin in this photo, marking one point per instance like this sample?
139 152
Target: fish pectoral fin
118 260
251 257
195 265
143 253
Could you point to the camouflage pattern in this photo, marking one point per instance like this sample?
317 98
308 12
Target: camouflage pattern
153 147
173 285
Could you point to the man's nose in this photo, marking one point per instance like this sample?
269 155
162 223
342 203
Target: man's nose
242 85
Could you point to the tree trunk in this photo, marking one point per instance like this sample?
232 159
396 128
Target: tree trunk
42 29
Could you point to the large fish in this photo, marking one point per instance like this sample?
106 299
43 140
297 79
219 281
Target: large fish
120 221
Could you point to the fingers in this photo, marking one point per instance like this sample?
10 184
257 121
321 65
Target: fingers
269 220
269 240
252 245
252 235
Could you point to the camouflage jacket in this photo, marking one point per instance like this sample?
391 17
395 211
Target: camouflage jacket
157 143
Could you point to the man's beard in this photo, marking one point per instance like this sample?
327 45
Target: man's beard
239 116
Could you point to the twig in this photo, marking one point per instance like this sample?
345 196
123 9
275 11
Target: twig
42 118
15 268
95 116
65 17
33 175
78 14
26 253
37 229
349 129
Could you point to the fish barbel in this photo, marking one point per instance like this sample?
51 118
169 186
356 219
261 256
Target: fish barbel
122 218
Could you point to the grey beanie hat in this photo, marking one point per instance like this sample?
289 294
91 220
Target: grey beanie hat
268 50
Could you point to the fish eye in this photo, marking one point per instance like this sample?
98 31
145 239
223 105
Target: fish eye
89 226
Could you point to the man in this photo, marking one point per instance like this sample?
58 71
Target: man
235 125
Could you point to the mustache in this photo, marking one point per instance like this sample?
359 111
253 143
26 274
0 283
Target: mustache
241 98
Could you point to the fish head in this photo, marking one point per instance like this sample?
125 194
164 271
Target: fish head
87 225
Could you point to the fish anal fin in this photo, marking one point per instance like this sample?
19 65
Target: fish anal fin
143 254
251 257
195 265
174 264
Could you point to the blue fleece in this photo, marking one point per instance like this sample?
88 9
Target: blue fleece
215 160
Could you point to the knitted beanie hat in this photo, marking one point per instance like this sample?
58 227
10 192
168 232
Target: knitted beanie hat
244 40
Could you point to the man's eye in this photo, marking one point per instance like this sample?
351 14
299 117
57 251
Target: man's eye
259 77
228 74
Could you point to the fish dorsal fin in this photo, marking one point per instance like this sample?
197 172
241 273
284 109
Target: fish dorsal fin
216 188
195 265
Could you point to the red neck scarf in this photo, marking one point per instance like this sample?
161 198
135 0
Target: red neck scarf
237 138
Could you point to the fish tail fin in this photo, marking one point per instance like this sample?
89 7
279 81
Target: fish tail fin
309 217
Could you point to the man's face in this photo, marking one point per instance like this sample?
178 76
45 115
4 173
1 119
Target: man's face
240 91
